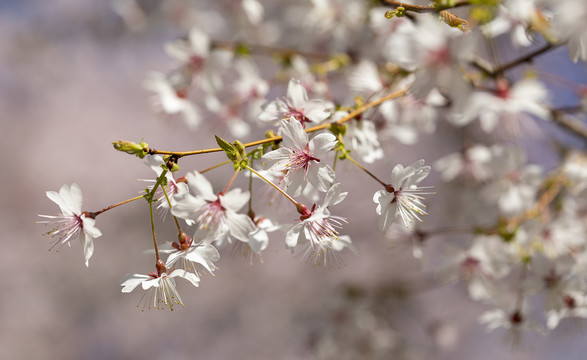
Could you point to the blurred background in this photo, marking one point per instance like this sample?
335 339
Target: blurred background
71 74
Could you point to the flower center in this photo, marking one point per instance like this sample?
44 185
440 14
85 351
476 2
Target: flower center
211 213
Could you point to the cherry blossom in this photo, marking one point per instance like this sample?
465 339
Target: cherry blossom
215 215
162 291
72 220
403 198
317 232
302 160
297 105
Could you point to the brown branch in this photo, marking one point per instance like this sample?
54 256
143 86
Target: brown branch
424 9
525 58
574 126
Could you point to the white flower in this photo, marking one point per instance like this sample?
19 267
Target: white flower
488 259
298 106
570 23
317 232
187 253
408 116
362 139
515 17
507 107
258 239
303 160
253 10
403 197
172 92
71 220
215 214
438 49
515 185
191 51
474 163
163 292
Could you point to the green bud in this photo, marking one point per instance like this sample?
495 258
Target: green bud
339 130
129 147
240 148
228 148
242 50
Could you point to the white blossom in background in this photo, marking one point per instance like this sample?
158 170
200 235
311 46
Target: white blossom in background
508 316
333 22
303 160
570 23
297 105
514 185
575 169
162 291
250 87
317 232
215 215
487 260
404 198
437 50
514 17
229 115
407 117
199 62
508 107
71 221
253 10
364 79
301 70
172 92
361 139
474 162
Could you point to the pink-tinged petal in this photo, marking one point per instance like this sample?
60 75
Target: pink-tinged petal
321 176
293 235
56 198
172 258
296 94
200 186
258 240
282 154
189 276
200 43
130 281
235 199
187 206
88 246
88 224
317 110
321 144
204 254
420 173
387 217
73 197
344 241
294 136
296 182
334 195
152 282
240 225
381 198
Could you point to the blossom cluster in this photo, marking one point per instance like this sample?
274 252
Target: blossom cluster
354 80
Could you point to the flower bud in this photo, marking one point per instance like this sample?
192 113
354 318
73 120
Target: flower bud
140 150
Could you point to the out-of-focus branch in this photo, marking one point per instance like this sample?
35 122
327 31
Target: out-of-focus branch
574 126
525 58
